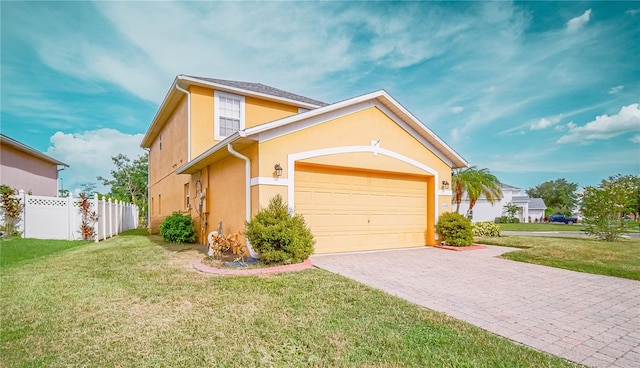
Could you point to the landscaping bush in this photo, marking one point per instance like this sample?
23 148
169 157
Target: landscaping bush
507 220
278 236
486 228
178 228
454 229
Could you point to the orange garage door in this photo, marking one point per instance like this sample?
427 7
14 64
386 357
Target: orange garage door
351 210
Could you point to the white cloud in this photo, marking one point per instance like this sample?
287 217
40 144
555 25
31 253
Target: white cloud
456 109
616 89
546 123
632 12
635 138
576 23
89 153
605 127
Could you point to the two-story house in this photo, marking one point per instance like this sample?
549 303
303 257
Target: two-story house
364 172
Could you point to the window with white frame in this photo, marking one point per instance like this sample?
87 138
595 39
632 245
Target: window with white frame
228 115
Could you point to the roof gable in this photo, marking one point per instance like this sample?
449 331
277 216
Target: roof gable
182 83
301 121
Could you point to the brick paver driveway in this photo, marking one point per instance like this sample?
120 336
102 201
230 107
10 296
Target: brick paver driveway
589 319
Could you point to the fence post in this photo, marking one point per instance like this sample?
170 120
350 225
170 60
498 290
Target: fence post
110 217
118 216
96 204
22 225
70 216
104 218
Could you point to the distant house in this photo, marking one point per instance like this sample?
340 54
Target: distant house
530 209
22 167
364 172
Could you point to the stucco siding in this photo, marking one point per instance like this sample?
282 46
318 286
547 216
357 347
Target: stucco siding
20 170
165 187
226 196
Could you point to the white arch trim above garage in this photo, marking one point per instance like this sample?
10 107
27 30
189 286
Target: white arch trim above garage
374 149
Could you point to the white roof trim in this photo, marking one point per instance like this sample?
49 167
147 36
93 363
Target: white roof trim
246 92
30 150
326 110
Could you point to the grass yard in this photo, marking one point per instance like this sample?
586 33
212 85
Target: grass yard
620 259
15 251
547 227
129 301
540 227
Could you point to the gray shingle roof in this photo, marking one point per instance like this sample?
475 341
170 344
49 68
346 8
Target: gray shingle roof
264 89
537 204
524 198
504 186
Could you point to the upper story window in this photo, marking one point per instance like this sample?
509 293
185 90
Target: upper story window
228 115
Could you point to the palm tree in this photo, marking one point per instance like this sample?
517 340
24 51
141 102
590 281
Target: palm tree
475 182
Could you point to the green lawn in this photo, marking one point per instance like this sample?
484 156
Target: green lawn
540 227
632 228
620 259
129 301
15 251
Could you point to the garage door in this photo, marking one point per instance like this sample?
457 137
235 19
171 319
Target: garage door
350 210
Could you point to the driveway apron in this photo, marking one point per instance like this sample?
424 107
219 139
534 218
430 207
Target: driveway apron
589 319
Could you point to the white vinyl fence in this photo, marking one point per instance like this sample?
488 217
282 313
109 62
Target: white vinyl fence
60 217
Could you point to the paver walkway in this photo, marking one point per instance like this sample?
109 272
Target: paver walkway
589 319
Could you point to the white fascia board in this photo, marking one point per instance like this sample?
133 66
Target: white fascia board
30 150
310 114
415 134
423 126
221 145
160 110
305 123
246 92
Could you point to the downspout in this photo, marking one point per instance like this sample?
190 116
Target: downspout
58 178
188 120
247 195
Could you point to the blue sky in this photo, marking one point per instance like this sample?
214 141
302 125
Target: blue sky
534 91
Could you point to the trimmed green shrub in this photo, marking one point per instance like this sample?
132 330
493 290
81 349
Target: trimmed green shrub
278 236
178 228
486 228
506 220
454 229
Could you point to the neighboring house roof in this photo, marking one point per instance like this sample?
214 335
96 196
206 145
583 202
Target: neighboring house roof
319 115
182 82
261 88
520 199
537 204
509 187
4 140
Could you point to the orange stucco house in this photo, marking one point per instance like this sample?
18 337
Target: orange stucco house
23 167
364 172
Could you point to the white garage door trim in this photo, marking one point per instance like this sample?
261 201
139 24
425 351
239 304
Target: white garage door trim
374 149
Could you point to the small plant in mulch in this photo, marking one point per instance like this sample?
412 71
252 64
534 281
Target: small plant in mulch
278 236
12 207
89 218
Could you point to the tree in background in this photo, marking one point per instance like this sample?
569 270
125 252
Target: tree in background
89 189
559 195
604 206
475 182
130 180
